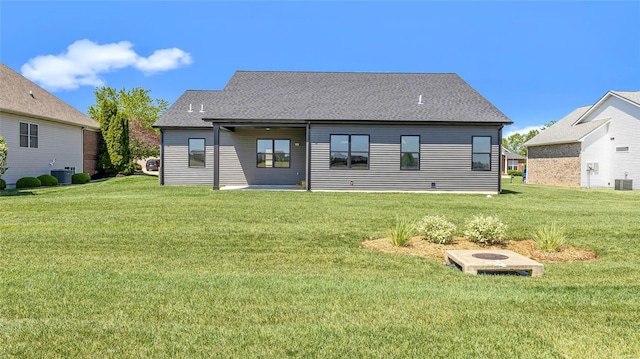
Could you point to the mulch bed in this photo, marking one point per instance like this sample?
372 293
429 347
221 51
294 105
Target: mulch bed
419 247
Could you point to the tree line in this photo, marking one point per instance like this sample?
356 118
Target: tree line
126 119
514 142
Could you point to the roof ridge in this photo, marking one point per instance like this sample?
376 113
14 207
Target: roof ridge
348 72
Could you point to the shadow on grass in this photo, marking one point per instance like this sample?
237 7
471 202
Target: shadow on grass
15 192
508 191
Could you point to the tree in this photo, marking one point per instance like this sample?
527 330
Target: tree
104 111
548 124
514 142
4 151
140 111
117 141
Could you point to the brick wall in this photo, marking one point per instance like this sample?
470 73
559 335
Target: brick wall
557 165
91 141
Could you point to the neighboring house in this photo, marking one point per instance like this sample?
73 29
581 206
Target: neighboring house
335 131
41 131
511 161
591 147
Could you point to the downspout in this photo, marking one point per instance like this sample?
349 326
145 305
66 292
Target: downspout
162 157
500 161
216 156
308 164
82 146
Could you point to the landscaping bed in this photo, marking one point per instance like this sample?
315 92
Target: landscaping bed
422 248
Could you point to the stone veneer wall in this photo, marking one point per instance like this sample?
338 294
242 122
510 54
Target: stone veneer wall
557 165
91 141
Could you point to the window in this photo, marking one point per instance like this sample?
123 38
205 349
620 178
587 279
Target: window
512 165
350 151
622 149
409 152
274 153
28 135
196 152
481 153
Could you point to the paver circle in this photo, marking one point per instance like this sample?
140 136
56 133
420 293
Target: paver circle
490 256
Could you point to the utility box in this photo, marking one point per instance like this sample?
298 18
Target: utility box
63 176
624 185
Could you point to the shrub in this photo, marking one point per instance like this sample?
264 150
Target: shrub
138 166
514 173
80 178
48 180
401 233
549 238
28 182
486 230
129 169
436 229
3 184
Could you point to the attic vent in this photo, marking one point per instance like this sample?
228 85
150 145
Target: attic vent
201 108
622 149
190 109
420 100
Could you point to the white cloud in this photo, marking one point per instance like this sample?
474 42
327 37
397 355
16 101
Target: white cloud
84 62
163 60
521 131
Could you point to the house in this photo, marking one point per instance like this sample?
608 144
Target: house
511 161
335 131
591 147
43 133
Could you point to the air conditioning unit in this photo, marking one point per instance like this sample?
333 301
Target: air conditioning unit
624 185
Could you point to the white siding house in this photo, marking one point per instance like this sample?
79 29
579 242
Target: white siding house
606 139
42 132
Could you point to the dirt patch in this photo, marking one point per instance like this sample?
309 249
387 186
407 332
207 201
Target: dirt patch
422 248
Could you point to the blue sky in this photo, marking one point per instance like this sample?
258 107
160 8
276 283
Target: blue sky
536 61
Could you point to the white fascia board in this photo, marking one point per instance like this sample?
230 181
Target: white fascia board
581 139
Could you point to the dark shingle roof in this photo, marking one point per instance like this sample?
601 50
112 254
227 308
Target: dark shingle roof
511 155
338 96
15 97
178 114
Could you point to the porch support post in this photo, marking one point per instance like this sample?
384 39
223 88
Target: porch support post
500 159
162 163
308 164
216 156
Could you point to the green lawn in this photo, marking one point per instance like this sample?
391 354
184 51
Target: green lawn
125 268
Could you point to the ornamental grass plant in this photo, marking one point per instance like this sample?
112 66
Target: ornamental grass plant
401 232
549 238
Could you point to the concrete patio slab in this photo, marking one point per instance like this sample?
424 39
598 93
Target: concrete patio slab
474 261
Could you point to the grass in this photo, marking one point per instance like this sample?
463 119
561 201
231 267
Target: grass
125 268
549 238
401 232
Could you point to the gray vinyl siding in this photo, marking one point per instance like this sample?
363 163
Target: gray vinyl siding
445 159
175 156
238 157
